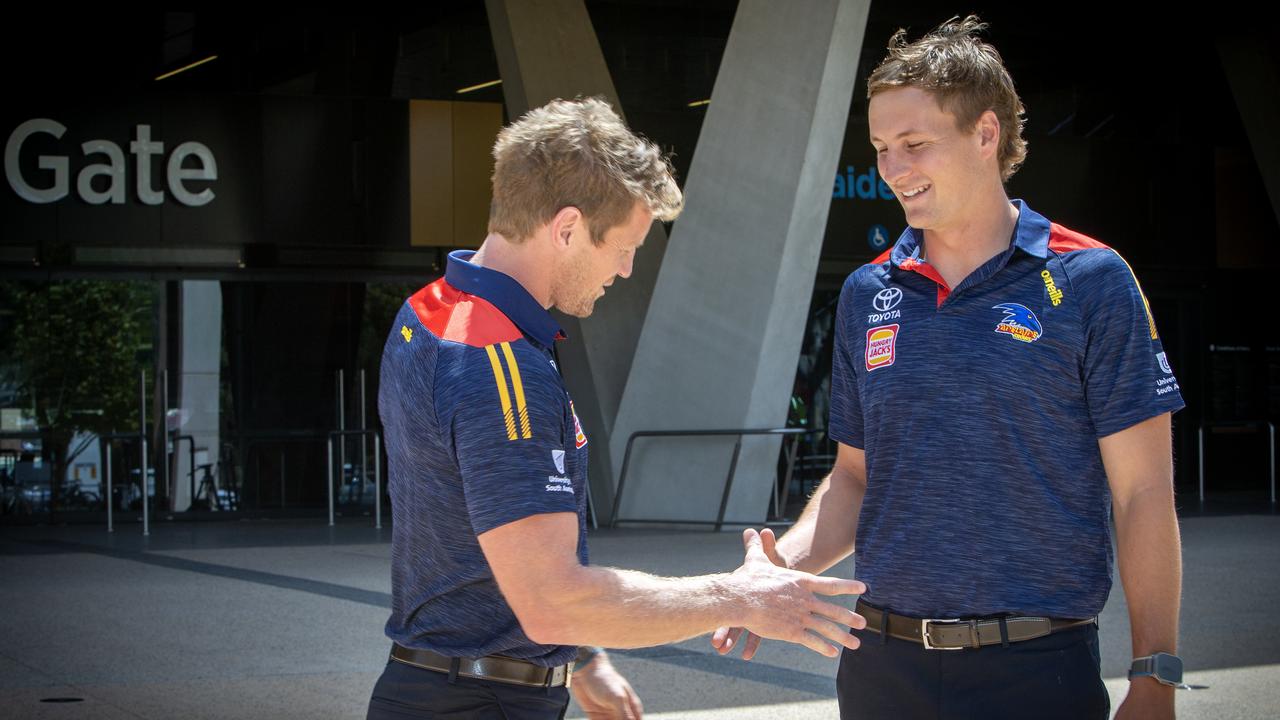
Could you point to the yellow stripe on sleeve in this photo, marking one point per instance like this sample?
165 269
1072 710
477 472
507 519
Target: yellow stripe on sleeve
519 388
1151 320
503 396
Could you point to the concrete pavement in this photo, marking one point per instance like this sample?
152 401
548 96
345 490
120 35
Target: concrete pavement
284 619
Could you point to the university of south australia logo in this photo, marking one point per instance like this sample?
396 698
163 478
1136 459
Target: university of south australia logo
1018 322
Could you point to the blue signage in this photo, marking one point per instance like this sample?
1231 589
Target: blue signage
878 238
865 186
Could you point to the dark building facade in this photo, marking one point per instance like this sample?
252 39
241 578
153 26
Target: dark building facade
244 230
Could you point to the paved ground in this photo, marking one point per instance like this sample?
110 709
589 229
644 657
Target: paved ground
284 619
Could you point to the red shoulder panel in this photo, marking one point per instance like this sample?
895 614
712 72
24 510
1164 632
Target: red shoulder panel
882 256
1064 241
451 314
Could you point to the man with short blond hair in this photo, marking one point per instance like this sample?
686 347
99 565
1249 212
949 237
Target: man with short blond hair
491 590
580 153
998 387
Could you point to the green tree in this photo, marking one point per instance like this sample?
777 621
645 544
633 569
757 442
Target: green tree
78 347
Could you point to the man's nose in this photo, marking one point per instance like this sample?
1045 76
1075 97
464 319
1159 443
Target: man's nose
892 167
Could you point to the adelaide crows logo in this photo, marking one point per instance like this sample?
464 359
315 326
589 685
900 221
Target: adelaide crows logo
1018 322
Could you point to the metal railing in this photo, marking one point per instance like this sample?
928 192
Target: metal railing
175 440
108 440
1271 434
719 522
334 436
252 444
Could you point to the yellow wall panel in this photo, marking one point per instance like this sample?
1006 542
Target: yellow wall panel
430 172
449 170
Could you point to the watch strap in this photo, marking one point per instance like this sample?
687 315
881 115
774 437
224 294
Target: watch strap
1146 667
1143 667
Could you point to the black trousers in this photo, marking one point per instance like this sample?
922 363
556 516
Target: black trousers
405 691
1057 676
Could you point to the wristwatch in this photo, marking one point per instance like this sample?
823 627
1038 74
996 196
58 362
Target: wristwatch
1163 668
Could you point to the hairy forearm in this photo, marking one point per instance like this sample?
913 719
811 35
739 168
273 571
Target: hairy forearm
560 601
1150 557
824 534
626 608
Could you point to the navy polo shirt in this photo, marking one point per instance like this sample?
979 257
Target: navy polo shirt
480 432
980 408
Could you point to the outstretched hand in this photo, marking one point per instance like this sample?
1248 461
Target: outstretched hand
725 639
782 604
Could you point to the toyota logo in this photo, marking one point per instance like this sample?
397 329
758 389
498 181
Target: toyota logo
887 299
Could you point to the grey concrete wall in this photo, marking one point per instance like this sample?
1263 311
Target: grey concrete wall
722 336
547 49
198 370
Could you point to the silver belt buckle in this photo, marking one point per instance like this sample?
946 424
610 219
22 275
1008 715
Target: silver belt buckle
924 632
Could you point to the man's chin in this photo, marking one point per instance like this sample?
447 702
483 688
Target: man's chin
579 311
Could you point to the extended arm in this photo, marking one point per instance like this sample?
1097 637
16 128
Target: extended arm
824 534
1139 466
560 601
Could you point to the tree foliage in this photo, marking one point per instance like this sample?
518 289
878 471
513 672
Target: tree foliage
77 347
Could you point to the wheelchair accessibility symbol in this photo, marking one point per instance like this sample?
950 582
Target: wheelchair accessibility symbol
878 237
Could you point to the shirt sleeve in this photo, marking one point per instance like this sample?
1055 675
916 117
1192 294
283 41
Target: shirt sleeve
508 429
1127 375
845 425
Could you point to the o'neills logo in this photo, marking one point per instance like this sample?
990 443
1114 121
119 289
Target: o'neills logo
881 342
1055 295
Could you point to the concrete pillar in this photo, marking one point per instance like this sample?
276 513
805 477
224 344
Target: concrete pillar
199 363
547 49
723 331
1252 73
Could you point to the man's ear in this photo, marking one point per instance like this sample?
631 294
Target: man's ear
988 130
563 224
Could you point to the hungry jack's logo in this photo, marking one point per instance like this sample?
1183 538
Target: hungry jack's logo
1018 322
579 438
881 346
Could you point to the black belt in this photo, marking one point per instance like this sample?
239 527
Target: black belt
958 634
491 667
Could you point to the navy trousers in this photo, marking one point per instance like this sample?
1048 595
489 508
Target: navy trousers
1057 676
405 691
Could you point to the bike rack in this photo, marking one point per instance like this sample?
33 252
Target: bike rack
24 435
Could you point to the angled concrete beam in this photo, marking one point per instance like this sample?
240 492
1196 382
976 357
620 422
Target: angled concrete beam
547 49
723 332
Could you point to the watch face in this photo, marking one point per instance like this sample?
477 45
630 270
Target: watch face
1168 668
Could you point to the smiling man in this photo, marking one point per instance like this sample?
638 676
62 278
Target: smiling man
491 590
999 391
